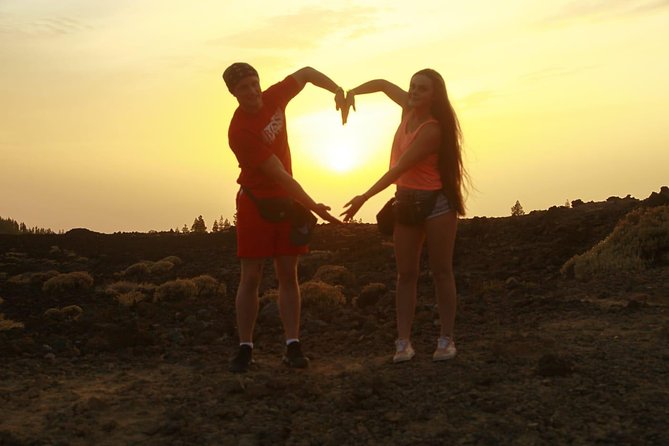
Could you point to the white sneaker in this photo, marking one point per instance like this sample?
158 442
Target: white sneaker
403 351
445 349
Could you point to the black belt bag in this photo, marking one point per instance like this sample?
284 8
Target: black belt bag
413 207
278 209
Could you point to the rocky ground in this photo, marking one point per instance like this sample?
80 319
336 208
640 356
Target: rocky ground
125 359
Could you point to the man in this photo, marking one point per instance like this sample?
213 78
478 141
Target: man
258 137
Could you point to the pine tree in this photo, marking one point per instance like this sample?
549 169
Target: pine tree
199 226
517 209
214 227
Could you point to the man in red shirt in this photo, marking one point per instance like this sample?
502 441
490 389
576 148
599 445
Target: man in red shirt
258 137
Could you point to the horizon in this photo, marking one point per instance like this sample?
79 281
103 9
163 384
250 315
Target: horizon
663 190
115 116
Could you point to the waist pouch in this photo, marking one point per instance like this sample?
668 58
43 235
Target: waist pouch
278 209
412 207
275 209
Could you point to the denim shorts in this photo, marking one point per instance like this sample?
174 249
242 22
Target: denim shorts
441 206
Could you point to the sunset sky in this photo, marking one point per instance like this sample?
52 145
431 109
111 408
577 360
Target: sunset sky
114 116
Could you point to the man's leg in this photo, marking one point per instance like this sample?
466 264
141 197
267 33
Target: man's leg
289 308
246 302
289 295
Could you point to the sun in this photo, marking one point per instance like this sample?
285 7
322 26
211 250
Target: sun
340 156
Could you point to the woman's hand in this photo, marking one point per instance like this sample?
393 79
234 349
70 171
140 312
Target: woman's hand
340 104
354 206
346 106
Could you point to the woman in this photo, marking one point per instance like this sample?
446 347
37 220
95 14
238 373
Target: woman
426 165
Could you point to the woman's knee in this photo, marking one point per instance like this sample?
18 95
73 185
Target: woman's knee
442 274
408 275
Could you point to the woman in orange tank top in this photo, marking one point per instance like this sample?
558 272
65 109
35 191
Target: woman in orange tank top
426 166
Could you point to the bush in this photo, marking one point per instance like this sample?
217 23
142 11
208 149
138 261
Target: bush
207 286
69 313
371 294
334 275
130 293
131 298
160 267
175 290
148 268
321 298
640 240
37 278
68 282
174 260
139 269
8 324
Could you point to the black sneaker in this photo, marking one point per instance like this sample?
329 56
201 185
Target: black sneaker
294 357
242 360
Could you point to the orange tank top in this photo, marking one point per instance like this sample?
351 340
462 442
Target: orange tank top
424 175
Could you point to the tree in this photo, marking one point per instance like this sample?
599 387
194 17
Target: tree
199 226
214 227
185 229
517 209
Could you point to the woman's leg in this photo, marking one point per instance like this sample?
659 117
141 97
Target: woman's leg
440 232
408 242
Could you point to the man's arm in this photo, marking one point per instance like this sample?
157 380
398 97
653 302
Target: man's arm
313 76
274 170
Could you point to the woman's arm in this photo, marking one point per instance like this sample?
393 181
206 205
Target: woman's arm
391 90
427 142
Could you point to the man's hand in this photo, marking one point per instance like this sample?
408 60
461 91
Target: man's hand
342 104
322 211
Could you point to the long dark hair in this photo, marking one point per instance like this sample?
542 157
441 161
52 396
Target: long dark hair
451 169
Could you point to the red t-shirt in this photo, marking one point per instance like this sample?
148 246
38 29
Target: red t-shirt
254 137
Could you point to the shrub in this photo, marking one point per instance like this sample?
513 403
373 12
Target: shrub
321 298
147 268
68 282
160 267
371 294
334 275
639 240
70 313
174 260
37 278
139 269
8 324
131 298
207 286
175 290
130 293
121 287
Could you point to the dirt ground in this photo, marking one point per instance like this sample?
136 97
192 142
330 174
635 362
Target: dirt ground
542 359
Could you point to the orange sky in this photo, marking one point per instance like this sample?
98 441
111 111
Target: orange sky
114 114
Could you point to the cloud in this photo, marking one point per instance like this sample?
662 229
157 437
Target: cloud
594 9
477 98
60 26
304 29
45 27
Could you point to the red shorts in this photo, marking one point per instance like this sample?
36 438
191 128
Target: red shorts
257 237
